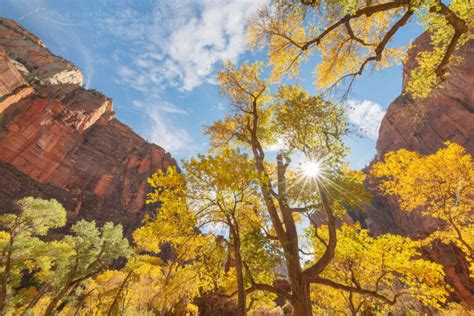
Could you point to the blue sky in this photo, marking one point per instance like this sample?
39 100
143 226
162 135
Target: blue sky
157 60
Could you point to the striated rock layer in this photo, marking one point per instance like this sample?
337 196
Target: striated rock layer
423 126
59 140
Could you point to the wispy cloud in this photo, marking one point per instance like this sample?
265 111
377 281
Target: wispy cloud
161 126
176 46
179 45
159 104
366 115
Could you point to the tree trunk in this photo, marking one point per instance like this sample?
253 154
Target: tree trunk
119 292
301 301
6 273
241 299
54 302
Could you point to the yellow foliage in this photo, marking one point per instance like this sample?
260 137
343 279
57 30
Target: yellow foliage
441 185
351 36
388 264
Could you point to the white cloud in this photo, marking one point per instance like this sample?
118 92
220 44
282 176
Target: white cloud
179 45
162 129
159 104
367 115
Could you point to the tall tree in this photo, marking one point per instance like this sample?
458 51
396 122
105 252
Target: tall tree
221 192
182 274
303 124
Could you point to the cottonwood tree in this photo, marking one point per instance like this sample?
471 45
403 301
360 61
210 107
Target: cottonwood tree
303 124
149 284
390 265
221 193
353 35
441 185
170 284
173 284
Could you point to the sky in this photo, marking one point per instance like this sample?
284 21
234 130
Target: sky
157 60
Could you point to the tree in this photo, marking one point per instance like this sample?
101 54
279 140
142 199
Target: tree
389 265
351 35
91 251
441 184
221 192
182 274
307 125
147 284
21 247
55 269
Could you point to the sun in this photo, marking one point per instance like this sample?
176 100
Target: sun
311 169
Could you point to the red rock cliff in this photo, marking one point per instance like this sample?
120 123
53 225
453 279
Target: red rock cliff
423 126
59 140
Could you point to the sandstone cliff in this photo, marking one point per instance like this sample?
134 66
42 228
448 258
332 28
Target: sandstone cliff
59 140
423 126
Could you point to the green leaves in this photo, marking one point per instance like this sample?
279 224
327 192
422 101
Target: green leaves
56 266
37 216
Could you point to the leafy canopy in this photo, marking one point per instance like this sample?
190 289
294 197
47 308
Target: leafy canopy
441 185
352 35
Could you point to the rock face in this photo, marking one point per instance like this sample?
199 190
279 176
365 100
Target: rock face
423 126
59 140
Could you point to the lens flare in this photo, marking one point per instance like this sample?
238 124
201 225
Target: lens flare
311 169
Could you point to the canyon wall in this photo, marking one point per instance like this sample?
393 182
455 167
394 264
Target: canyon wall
423 126
60 140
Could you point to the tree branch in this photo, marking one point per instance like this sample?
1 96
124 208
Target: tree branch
460 27
335 285
326 258
367 11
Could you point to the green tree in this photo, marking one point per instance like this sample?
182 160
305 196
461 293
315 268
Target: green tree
56 269
91 251
21 247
